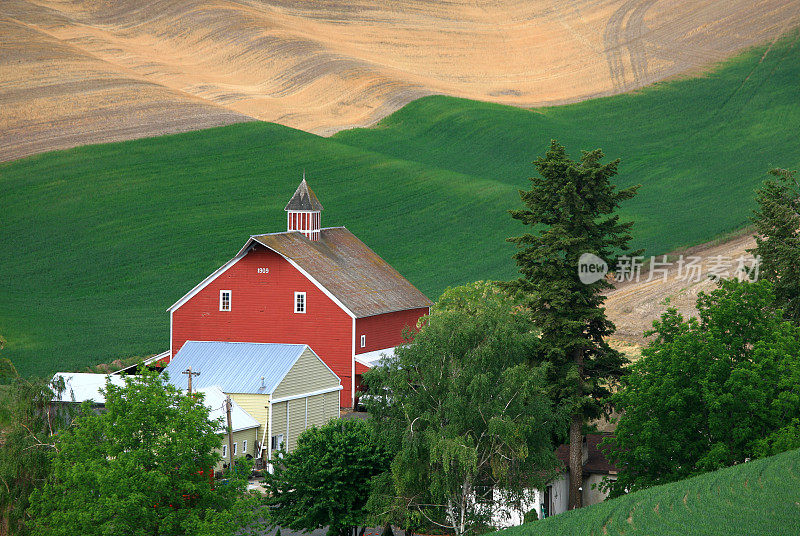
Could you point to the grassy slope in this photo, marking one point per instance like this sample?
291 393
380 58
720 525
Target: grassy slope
698 146
98 241
759 497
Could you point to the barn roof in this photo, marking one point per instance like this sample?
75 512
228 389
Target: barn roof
341 263
304 199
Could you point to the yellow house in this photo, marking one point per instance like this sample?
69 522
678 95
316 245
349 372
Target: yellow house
285 388
244 428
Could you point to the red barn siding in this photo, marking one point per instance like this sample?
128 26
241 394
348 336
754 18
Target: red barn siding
262 310
386 330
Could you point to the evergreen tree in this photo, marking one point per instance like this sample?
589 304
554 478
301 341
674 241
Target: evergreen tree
570 208
777 222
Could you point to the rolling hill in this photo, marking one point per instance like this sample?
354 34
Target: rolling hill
758 497
98 240
88 71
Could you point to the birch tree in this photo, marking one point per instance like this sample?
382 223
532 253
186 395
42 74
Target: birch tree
465 413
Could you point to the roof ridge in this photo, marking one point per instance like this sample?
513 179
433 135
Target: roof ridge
248 342
295 231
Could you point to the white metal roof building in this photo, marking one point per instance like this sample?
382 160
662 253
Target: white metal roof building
214 399
83 386
287 388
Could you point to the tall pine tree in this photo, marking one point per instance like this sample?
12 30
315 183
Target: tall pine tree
570 211
777 222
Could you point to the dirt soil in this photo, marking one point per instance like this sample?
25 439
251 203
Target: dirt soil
87 71
633 306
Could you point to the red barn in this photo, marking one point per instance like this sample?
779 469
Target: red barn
308 285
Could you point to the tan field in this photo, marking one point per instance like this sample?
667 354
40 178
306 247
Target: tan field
87 71
633 305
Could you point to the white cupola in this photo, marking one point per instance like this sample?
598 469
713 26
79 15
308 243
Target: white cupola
304 212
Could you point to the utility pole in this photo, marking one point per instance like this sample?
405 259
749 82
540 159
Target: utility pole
230 427
190 373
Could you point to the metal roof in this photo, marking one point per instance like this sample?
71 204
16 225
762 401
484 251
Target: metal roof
373 358
214 399
304 198
82 386
234 367
365 283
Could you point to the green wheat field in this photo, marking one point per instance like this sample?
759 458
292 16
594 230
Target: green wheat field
98 241
756 498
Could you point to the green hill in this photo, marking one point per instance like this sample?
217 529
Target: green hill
756 498
97 241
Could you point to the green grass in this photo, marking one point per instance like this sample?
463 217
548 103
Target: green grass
698 146
97 241
758 497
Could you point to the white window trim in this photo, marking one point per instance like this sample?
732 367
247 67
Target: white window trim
279 443
305 302
224 451
230 300
363 341
235 447
244 446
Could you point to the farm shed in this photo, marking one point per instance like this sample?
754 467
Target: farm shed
285 387
82 386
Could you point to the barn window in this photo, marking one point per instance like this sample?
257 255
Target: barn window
224 300
244 446
363 341
224 451
299 302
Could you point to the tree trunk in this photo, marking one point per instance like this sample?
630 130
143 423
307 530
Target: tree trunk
575 461
576 442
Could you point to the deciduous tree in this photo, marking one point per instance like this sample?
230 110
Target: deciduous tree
465 414
325 480
570 210
707 391
27 426
141 467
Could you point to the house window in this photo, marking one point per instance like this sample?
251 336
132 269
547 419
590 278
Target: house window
363 341
277 442
299 302
244 446
224 451
224 300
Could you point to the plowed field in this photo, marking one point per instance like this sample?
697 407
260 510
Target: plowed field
90 71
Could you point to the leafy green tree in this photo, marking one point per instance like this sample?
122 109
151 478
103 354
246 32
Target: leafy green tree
708 390
28 423
325 480
777 222
143 466
464 412
571 208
